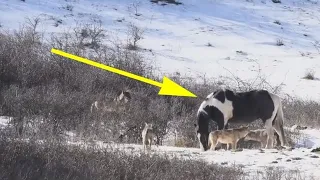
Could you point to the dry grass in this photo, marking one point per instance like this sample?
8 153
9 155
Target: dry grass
56 161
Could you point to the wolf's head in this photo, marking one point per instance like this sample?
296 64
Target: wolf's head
244 130
148 126
250 136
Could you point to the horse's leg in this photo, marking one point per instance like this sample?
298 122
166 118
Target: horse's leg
278 127
227 146
209 141
270 134
226 126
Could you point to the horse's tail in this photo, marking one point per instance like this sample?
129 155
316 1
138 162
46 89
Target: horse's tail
279 120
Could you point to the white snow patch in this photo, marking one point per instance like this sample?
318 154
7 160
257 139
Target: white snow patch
4 121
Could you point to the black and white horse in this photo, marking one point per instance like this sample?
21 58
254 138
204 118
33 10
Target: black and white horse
225 106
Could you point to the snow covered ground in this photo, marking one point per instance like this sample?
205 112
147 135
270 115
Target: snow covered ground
4 121
243 34
252 160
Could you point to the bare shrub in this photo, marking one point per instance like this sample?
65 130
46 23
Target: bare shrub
259 82
89 35
184 142
279 42
279 173
209 44
55 161
277 22
34 82
301 112
135 34
134 8
310 74
276 1
167 1
68 7
56 21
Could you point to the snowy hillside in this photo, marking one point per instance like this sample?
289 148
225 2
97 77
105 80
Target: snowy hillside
216 38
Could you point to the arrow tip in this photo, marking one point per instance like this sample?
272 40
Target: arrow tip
173 89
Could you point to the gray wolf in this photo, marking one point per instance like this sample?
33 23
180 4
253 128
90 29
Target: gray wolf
104 106
225 106
147 136
227 136
259 135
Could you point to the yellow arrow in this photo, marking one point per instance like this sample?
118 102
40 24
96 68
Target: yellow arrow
167 86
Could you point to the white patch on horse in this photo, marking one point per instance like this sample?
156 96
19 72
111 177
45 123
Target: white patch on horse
225 108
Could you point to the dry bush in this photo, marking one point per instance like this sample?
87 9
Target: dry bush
277 22
279 173
276 1
135 34
55 161
301 112
35 82
310 74
134 8
279 42
164 2
184 142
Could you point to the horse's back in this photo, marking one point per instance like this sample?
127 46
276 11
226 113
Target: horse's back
251 105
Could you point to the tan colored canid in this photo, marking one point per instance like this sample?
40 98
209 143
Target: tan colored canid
259 135
227 136
147 136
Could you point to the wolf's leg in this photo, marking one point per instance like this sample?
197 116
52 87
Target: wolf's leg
233 144
214 143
